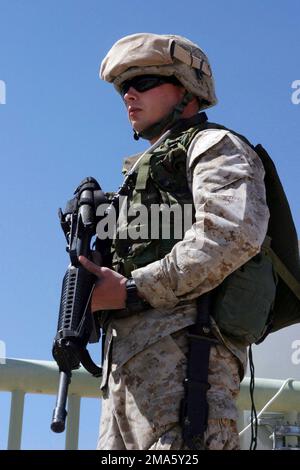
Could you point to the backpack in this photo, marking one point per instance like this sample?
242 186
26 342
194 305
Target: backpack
271 280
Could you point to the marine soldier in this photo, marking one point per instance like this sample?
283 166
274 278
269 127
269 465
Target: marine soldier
152 293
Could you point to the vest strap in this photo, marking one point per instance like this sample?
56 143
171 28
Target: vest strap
283 271
143 172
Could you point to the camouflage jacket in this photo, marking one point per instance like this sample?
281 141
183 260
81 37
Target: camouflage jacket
226 178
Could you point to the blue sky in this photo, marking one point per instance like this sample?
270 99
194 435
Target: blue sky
60 123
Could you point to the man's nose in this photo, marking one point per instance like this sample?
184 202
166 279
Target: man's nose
130 94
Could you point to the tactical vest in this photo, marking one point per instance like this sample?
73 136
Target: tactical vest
261 296
160 182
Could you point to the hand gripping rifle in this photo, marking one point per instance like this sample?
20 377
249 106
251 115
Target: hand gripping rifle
76 324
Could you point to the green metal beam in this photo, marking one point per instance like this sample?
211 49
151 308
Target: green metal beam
42 377
265 389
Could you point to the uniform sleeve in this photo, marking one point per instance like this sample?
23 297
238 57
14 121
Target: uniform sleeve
227 182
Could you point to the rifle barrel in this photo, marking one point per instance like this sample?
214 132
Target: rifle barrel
60 413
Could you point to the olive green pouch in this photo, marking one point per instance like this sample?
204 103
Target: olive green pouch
244 301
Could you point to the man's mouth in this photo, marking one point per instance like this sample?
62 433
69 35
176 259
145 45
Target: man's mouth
132 110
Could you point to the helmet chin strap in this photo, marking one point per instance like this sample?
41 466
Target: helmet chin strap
156 129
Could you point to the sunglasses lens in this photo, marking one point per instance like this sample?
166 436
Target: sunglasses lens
147 83
144 83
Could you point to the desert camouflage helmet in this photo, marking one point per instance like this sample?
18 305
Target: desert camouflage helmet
154 54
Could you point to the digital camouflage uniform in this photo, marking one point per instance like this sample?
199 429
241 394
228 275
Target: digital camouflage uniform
146 353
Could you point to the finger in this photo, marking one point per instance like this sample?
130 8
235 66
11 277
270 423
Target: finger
90 266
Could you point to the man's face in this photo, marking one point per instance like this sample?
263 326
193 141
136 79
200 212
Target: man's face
147 107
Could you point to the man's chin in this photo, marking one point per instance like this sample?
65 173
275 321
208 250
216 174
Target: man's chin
138 128
136 125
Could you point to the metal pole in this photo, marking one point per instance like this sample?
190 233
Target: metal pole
16 420
241 424
72 432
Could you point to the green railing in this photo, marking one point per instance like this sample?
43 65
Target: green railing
20 377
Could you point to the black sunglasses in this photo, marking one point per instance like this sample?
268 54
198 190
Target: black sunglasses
146 82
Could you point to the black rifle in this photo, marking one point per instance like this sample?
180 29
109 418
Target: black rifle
76 325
